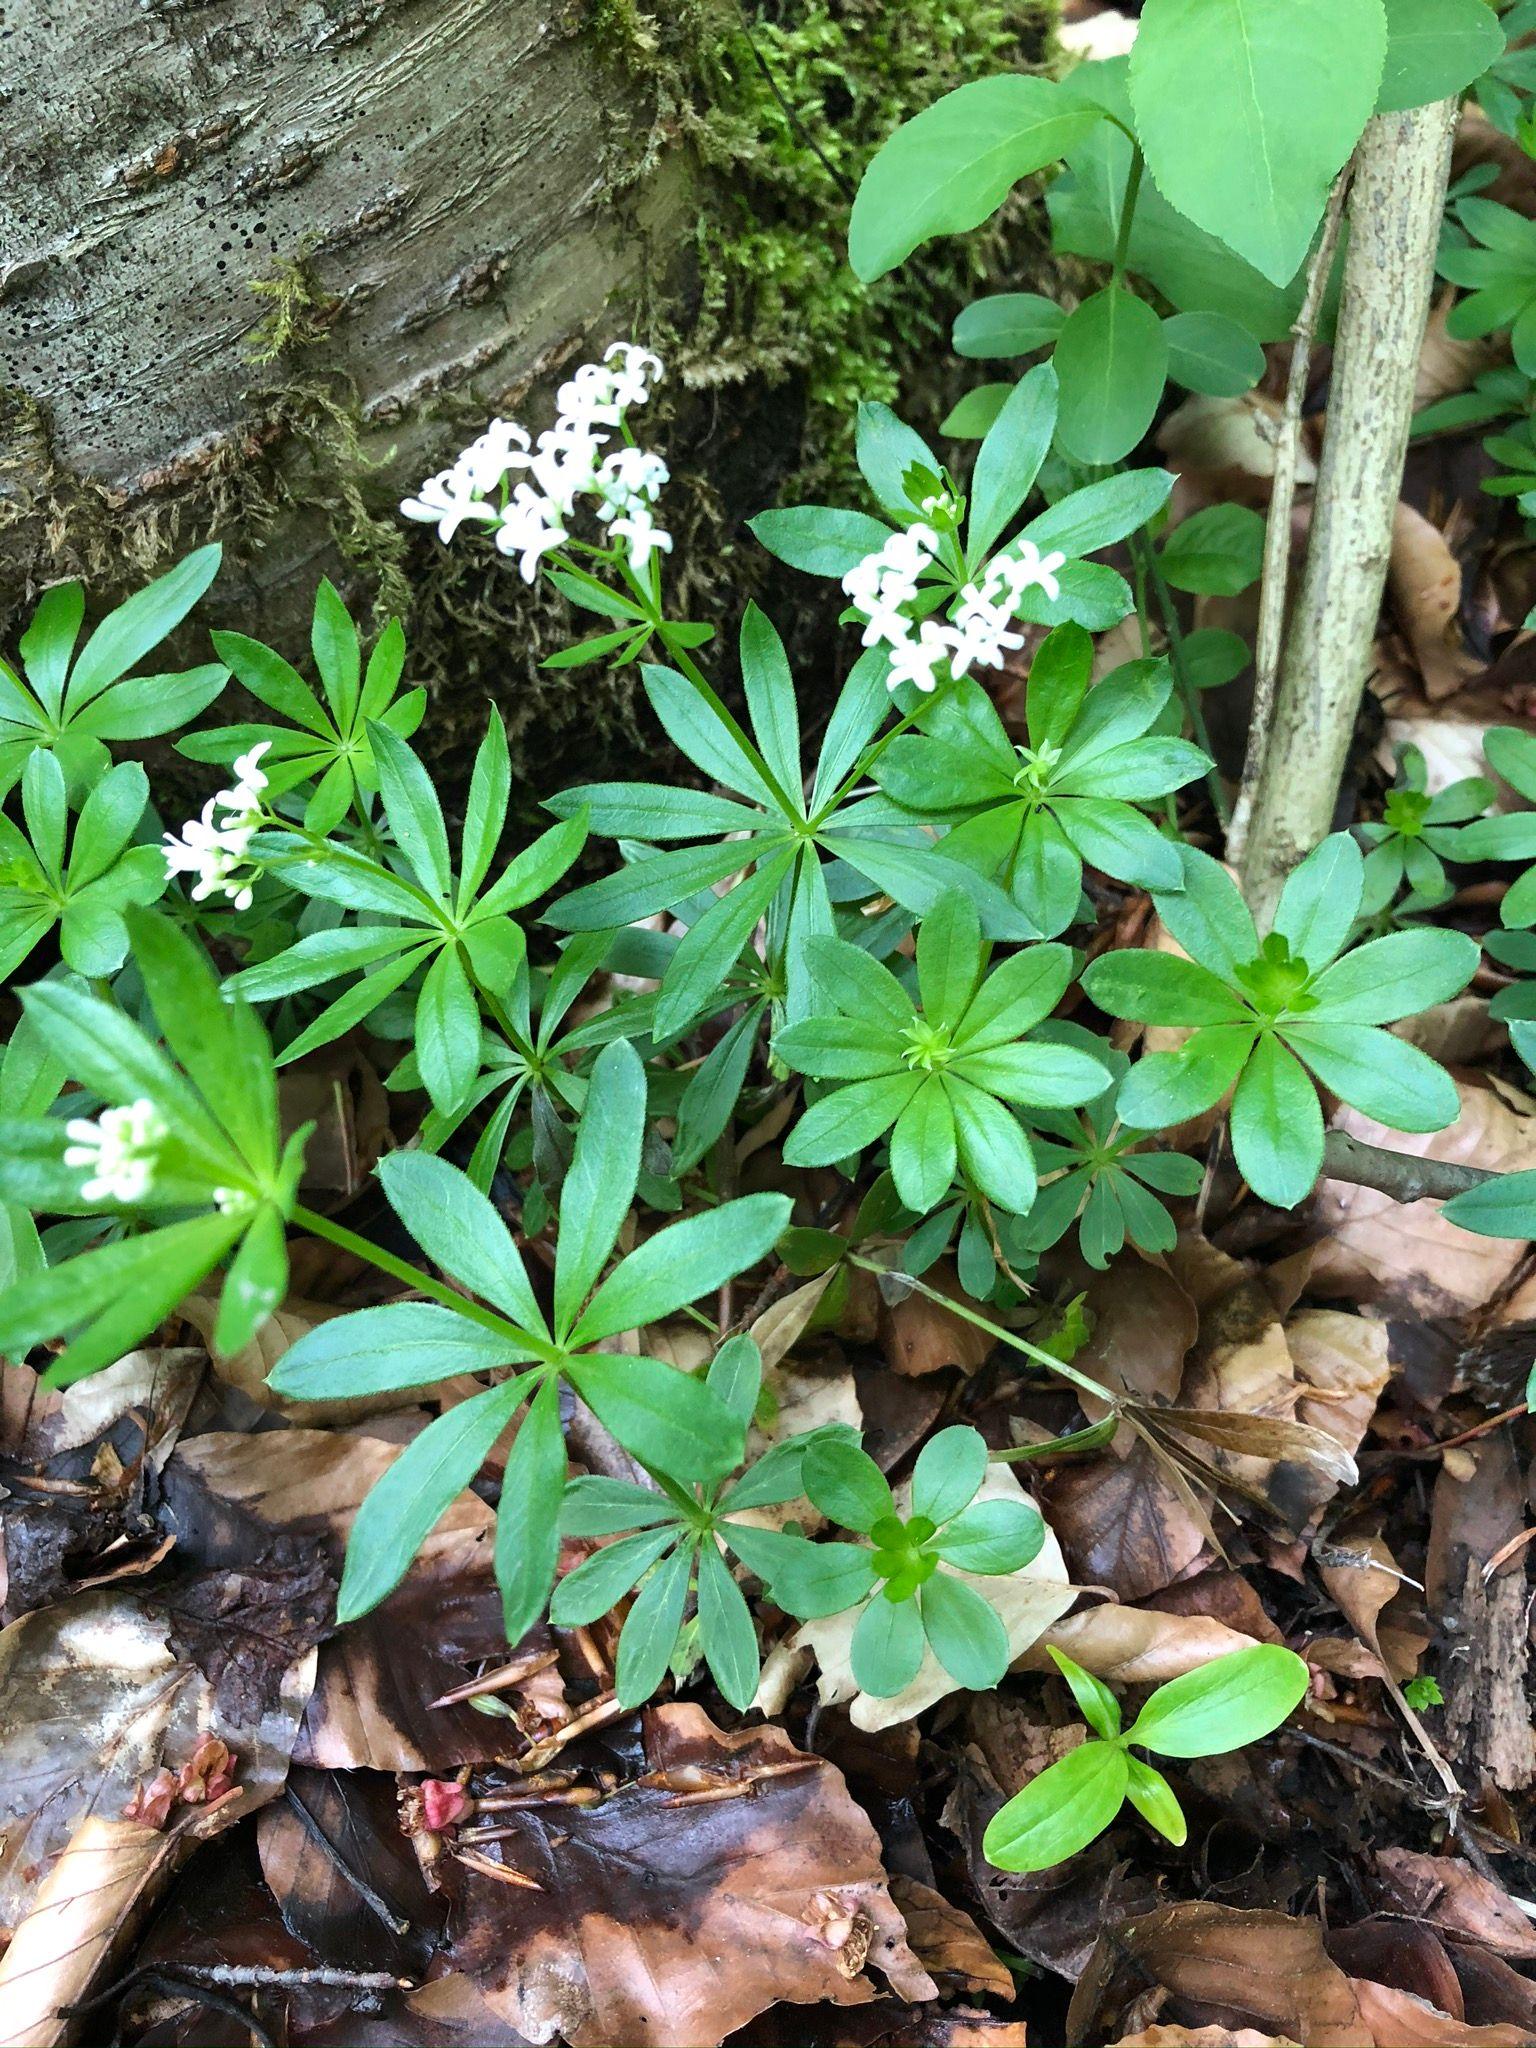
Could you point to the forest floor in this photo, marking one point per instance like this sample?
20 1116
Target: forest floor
335 1868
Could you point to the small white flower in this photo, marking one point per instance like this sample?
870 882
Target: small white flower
214 846
1022 568
503 446
121 1151
637 373
644 536
446 501
943 505
529 529
565 462
233 1201
983 632
918 660
629 477
588 399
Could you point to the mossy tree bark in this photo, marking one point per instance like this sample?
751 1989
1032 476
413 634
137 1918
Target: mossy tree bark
264 263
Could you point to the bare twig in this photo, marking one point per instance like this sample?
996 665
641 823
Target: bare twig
1282 503
1398 1174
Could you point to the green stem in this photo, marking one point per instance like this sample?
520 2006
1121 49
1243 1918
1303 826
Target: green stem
1143 553
1128 214
411 1276
1016 1343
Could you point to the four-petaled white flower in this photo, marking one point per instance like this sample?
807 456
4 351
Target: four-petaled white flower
567 463
121 1149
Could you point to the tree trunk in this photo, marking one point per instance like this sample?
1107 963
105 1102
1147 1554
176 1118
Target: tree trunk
265 263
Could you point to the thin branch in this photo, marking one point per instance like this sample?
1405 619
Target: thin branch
1282 504
1398 1174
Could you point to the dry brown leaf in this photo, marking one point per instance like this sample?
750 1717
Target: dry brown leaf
1136 1645
1448 366
1342 1361
1425 581
293 1494
248 1367
919 1336
1123 1524
1201 2037
948 1943
1373 1249
1229 438
716 1846
1449 1893
1260 1969
1397 2019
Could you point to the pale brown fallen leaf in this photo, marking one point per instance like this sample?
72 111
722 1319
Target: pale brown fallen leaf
918 1336
1342 1363
1123 1524
1136 1645
96 1889
1375 1250
713 1846
1201 2037
1425 581
1397 2019
1448 366
246 1370
948 1943
1231 438
1265 1970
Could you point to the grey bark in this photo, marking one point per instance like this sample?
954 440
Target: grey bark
1395 209
446 166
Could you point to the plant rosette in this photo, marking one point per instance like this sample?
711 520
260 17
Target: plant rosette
1024 1602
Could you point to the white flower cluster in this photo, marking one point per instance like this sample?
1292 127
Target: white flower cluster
122 1151
569 462
884 584
214 847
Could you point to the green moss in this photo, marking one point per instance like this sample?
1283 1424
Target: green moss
301 310
784 110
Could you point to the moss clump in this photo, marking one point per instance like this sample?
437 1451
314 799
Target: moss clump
301 312
784 106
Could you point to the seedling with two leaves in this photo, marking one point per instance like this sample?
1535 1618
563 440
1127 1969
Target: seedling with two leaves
1218 1707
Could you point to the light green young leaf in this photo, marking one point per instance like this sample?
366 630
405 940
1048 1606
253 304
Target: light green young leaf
1066 1807
1222 1705
1283 89
953 164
